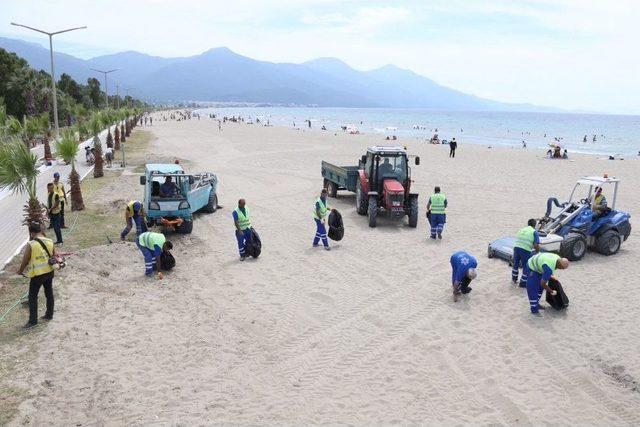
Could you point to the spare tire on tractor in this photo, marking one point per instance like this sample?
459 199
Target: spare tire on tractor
336 227
609 242
573 247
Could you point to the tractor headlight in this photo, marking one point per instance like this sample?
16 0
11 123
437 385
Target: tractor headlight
184 205
154 206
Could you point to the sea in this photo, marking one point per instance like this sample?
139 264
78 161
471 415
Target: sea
609 135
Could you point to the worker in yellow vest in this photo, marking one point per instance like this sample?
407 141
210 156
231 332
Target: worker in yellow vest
134 212
320 213
542 267
599 204
242 222
58 188
527 243
436 214
152 245
40 272
53 209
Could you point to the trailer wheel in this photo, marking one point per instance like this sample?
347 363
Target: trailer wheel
573 247
490 252
413 213
373 210
331 188
185 228
213 202
609 242
361 200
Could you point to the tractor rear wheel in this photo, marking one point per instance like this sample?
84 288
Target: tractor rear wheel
373 210
573 247
361 200
331 188
413 212
213 202
609 242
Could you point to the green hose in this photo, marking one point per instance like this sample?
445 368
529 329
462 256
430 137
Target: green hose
13 306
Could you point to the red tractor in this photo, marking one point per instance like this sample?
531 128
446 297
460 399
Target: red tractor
381 181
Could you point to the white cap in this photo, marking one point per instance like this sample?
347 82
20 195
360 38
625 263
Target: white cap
471 273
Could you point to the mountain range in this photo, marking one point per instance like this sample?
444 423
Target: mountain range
221 75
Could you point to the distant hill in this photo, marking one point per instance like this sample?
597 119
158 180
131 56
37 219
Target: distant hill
222 75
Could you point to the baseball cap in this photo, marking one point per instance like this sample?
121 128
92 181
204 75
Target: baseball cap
56 175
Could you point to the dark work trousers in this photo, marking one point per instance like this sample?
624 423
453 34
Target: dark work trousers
55 223
452 151
62 224
45 280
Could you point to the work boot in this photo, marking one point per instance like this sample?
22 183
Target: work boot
47 317
30 325
243 257
327 248
440 236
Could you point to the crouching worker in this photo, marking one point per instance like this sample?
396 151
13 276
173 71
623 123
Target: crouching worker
542 267
320 212
243 227
464 271
134 213
152 245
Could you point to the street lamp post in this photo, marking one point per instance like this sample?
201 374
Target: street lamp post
106 87
118 95
53 73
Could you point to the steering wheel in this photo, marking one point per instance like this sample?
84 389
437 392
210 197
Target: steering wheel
585 201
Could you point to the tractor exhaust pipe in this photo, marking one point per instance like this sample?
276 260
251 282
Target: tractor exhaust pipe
551 201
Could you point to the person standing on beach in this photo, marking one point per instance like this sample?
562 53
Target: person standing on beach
320 212
58 188
436 212
453 144
542 267
527 243
36 257
53 209
243 227
463 267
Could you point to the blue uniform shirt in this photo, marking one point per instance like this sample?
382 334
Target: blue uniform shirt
536 238
546 273
157 250
235 214
461 262
168 189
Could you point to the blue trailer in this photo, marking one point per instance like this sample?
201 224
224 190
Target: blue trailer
192 193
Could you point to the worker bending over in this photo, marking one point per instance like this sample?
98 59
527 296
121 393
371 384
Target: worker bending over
527 243
436 212
134 213
320 217
152 245
243 227
463 267
542 267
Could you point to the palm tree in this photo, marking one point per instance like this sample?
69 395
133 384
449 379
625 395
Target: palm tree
18 171
116 138
45 129
67 148
123 138
96 126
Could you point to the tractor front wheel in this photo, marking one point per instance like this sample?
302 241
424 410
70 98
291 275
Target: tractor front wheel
213 203
185 228
373 210
573 247
361 200
413 213
609 242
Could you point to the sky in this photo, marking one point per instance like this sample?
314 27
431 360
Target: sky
572 54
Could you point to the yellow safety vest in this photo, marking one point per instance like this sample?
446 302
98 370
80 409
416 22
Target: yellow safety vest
59 190
150 240
525 238
129 209
243 220
323 209
52 203
437 203
39 261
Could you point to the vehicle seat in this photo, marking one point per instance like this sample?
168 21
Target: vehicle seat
155 189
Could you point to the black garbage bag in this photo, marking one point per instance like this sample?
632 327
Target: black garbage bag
560 301
254 245
336 227
167 261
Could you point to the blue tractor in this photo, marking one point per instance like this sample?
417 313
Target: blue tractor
576 226
190 194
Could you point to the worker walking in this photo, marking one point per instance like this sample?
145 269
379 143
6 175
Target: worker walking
436 215
40 272
152 245
53 210
243 227
542 267
58 188
320 212
527 243
134 213
463 267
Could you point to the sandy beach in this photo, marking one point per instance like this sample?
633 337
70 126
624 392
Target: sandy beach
364 334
